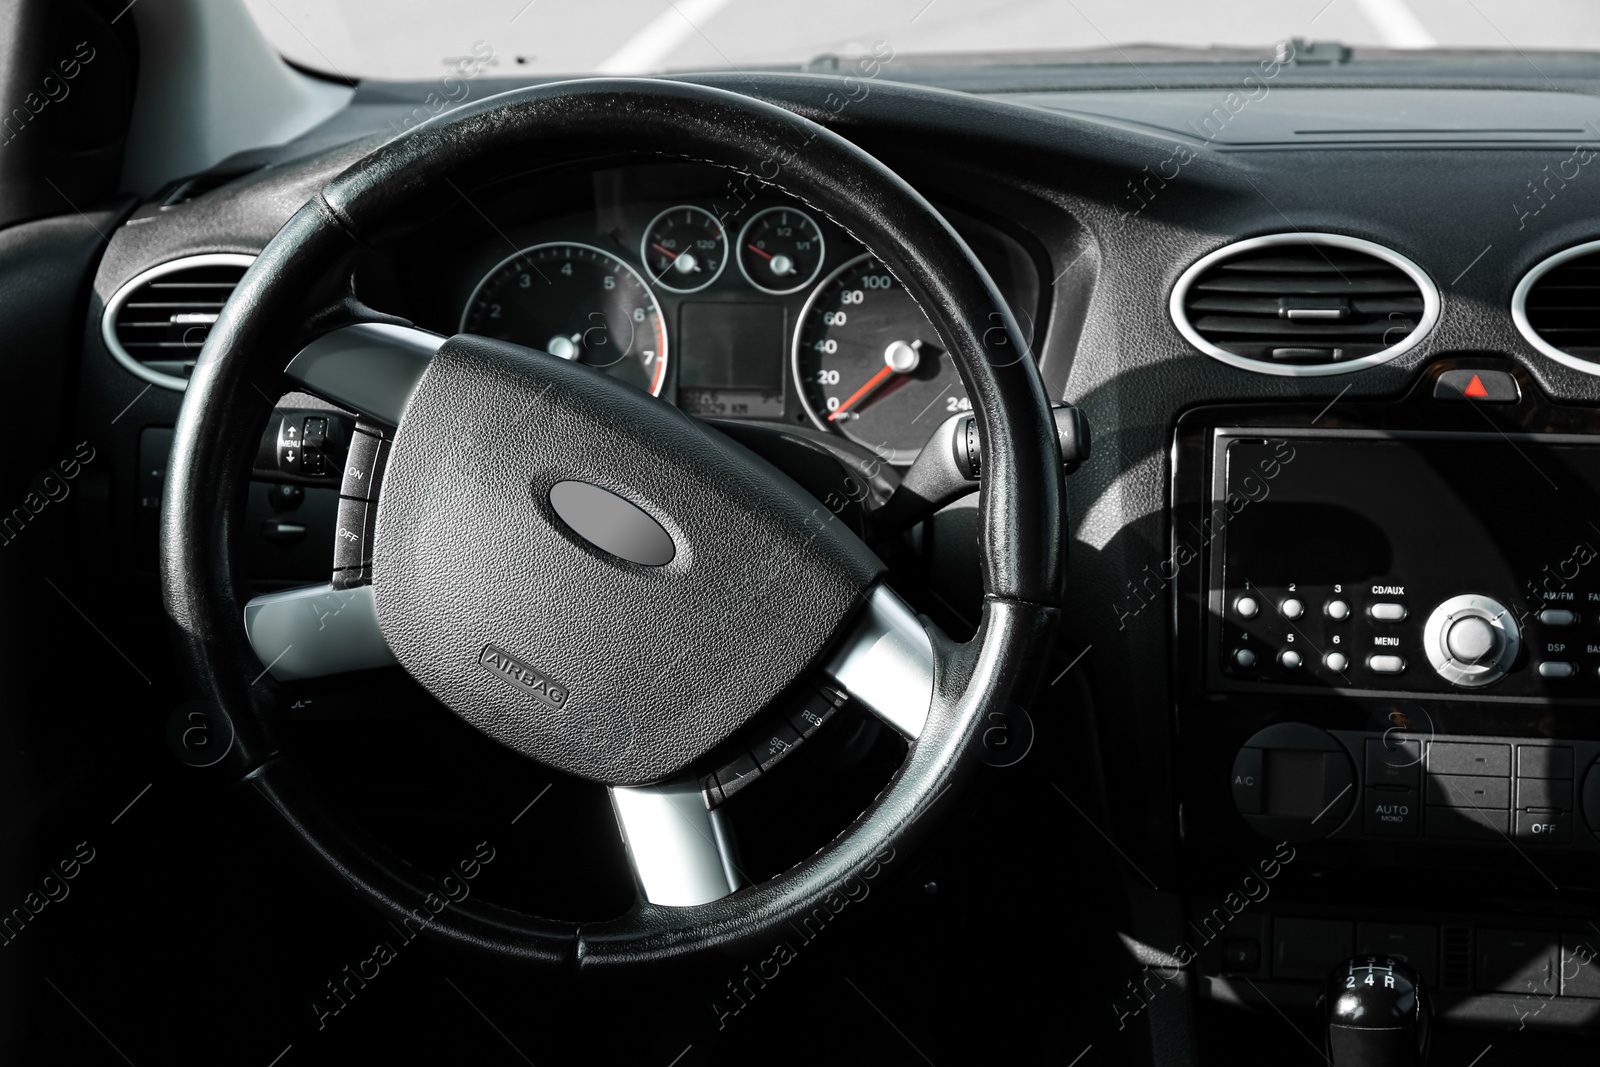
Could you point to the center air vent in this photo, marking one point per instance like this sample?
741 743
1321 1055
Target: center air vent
155 324
1305 304
1557 307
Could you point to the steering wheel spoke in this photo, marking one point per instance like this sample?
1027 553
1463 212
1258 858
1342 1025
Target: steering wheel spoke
316 630
887 663
371 368
679 849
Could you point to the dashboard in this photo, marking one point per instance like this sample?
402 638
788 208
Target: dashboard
723 298
1286 517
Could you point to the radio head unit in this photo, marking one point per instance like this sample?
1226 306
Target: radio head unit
1403 562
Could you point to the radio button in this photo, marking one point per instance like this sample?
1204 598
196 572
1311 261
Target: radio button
1244 658
1336 662
1292 608
1556 669
1247 607
1337 609
1558 617
1290 659
1388 612
1471 639
1386 664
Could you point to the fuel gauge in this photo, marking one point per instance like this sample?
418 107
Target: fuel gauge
781 250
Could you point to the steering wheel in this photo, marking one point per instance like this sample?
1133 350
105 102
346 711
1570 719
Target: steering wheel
578 570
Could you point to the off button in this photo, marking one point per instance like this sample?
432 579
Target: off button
1550 827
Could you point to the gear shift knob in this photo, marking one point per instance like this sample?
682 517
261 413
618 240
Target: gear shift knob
1377 1015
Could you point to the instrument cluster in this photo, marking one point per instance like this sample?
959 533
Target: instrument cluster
727 306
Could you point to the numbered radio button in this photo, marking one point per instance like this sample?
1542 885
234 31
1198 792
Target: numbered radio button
1292 608
1337 610
1247 607
1336 662
1289 659
1244 658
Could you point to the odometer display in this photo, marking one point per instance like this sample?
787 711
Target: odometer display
576 302
869 365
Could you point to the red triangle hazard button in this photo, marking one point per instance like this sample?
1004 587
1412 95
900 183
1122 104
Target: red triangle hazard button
1482 385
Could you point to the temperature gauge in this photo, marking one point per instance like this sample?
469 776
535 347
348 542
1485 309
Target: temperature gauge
684 249
780 250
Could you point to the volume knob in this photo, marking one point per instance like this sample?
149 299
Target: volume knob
1471 640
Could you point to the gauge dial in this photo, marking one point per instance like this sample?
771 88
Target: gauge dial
576 302
684 249
869 364
781 250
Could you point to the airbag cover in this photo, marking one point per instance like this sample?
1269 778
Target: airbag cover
614 670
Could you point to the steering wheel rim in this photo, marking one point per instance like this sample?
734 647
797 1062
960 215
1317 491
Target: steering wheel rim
298 289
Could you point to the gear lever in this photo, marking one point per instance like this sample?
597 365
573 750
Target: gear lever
1377 1015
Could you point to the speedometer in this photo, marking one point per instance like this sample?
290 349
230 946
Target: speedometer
576 302
869 364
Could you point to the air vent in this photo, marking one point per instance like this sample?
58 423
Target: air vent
155 324
1304 304
1557 307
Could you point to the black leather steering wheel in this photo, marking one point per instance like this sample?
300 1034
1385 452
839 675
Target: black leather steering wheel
494 586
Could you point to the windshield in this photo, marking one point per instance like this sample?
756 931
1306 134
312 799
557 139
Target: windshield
412 40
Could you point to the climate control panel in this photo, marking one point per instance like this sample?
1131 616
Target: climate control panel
1297 782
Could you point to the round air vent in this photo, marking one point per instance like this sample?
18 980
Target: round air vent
1556 307
1304 304
155 324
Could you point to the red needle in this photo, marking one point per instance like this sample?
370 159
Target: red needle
872 383
758 251
669 253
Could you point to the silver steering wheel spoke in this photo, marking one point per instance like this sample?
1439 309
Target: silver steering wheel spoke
680 851
371 368
315 631
886 663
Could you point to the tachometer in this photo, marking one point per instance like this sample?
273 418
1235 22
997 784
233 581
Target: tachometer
869 364
576 302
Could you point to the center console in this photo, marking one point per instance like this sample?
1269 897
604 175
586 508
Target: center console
1388 651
